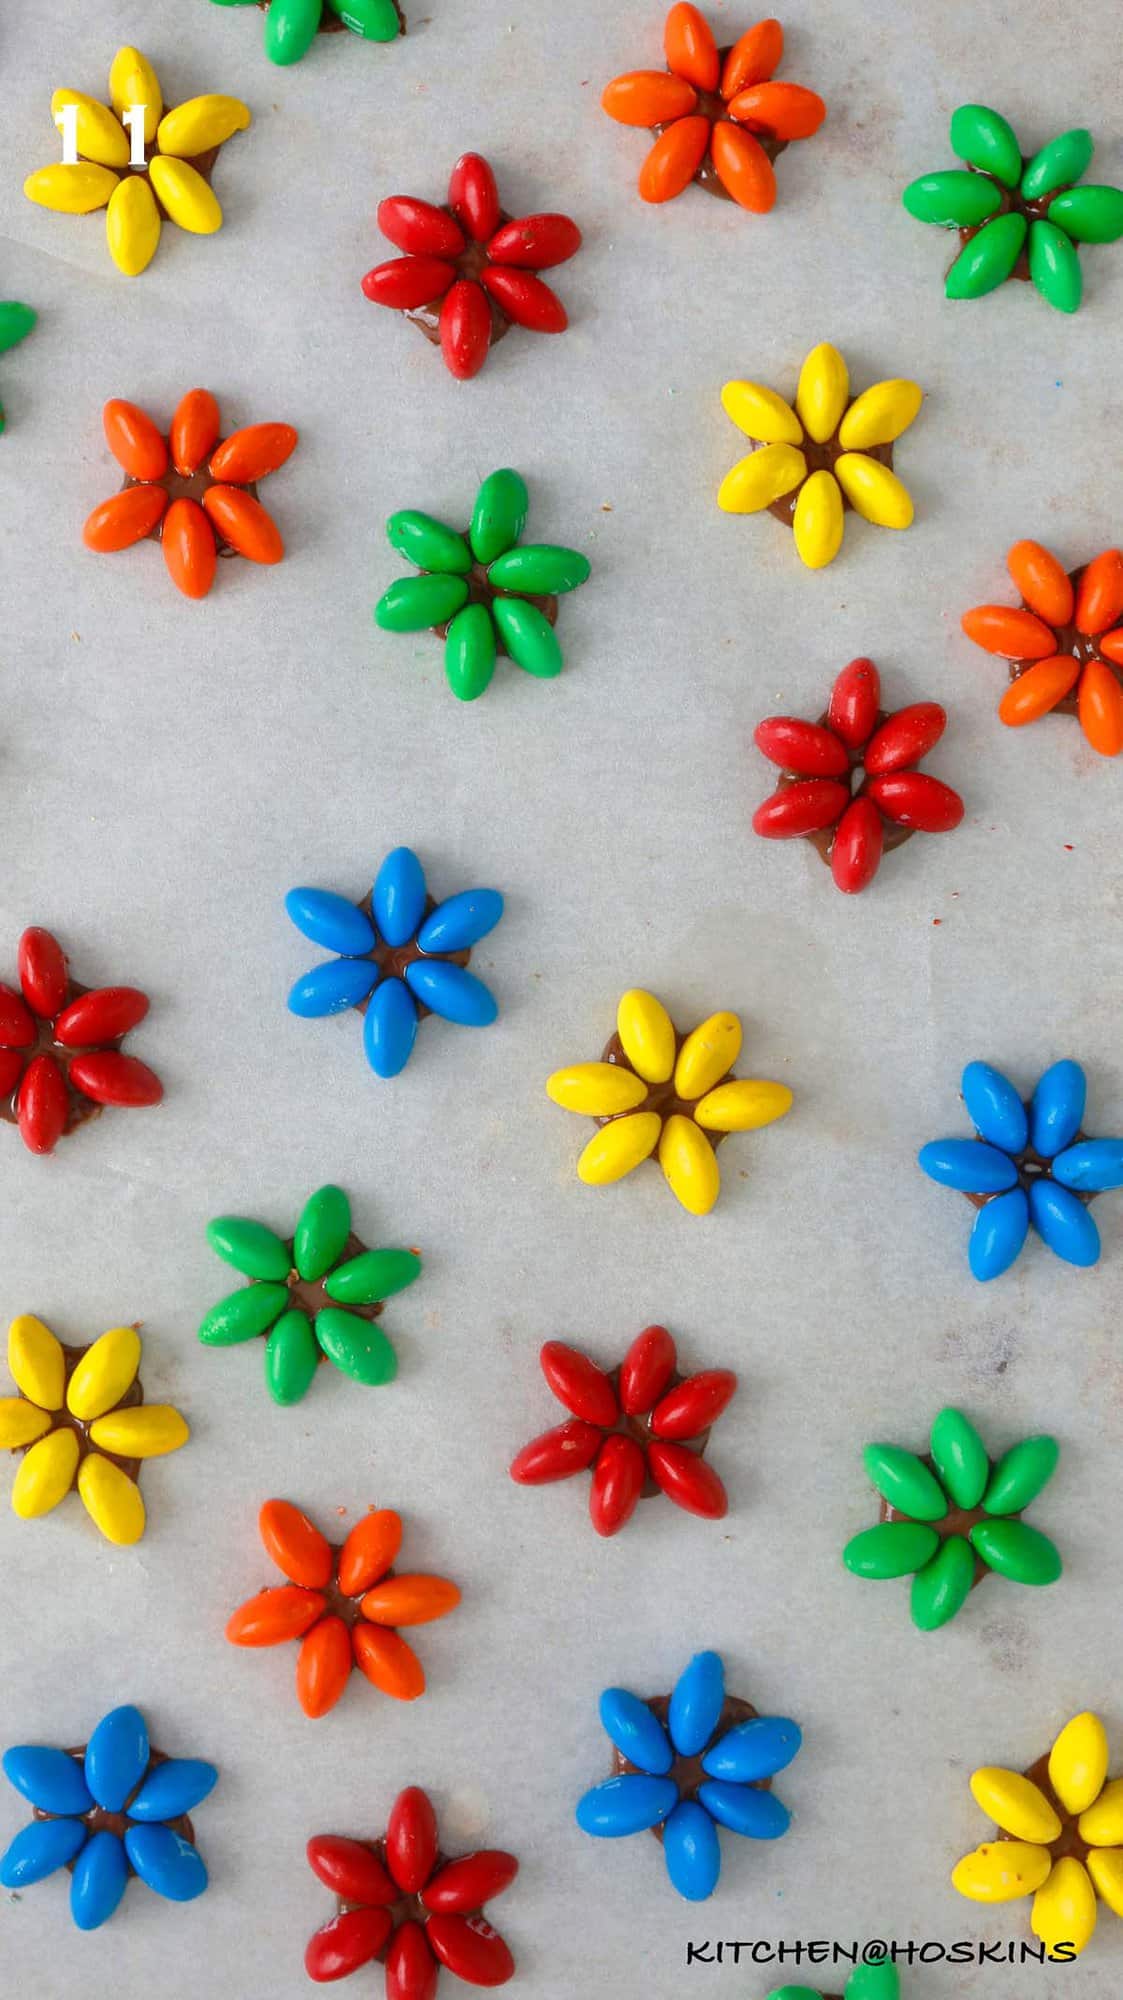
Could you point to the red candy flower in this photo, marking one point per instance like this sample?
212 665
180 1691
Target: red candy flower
469 269
850 782
721 120
60 1047
402 1901
643 1429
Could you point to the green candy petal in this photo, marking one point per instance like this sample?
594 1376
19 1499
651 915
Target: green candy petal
374 20
1016 1550
960 1458
893 1548
356 1347
249 1246
291 1357
1089 214
905 1481
793 1993
541 570
16 322
499 515
943 1585
984 139
1021 1475
879 1981
428 543
1064 159
988 259
375 1275
322 1232
415 602
528 637
953 200
470 652
290 29
243 1314
1055 267
2 419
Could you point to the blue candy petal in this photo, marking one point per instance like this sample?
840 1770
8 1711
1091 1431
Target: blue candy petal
333 988
692 1851
461 922
968 1165
173 1788
330 920
389 1028
696 1704
39 1849
638 1735
98 1882
628 1804
399 896
758 1815
994 1107
47 1778
1063 1222
117 1757
997 1235
452 992
754 1749
169 1865
1057 1108
1091 1165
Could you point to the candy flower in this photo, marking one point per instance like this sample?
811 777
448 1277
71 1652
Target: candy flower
1060 1837
16 322
850 783
687 1763
643 1429
344 1604
315 1296
60 1047
480 591
1028 1163
1064 644
949 1519
469 269
879 1980
401 1900
197 511
655 1090
170 178
400 956
808 465
720 120
114 1809
291 26
1016 218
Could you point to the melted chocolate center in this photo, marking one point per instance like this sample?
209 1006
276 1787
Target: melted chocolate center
1013 204
687 1772
662 1098
712 105
100 1820
80 1108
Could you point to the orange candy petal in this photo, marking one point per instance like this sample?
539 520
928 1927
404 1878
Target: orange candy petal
1038 690
785 110
195 428
388 1663
369 1550
1042 582
275 1615
648 97
323 1667
743 167
1099 594
252 453
1100 708
1111 645
674 159
124 519
243 522
295 1544
189 550
410 1600
1016 635
753 58
690 47
133 439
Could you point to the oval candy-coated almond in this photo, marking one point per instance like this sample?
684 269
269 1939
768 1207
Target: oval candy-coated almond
470 652
101 1016
648 97
577 1382
414 603
707 1053
350 1869
295 1544
1105 1866
286 1612
471 1880
357 1936
253 452
880 415
194 430
687 1480
75 190
465 329
760 478
535 242
557 1454
647 1035
411 1840
1065 158
100 136
241 521
373 1275
694 1404
988 259
243 1314
419 228
323 1666
808 806
943 1586
892 1549
674 159
786 110
1089 214
803 747
374 20
125 518
202 122
857 847
369 1550
1002 1871
824 385
854 703
617 1482
541 571
1016 1804
1016 1550
905 737
1054 266
689 46
905 1481
1042 582
410 1600
189 548
150 1432
1021 1474
428 542
43 972
953 200
111 1499
473 196
960 1457
499 514
689 1164
356 1347
132 226
761 413
1015 635
46 1475
11 1069
322 1231
1099 593
408 282
1064 1908
525 298
984 139
753 57
528 637
1078 1762
134 440
994 1107
189 200
912 798
388 1662
470 1948
743 167
873 491
629 1803
817 521
36 1362
1091 1166
1102 1824
599 1089
646 1370
132 80
42 1105
412 1973
111 1078
252 1248
744 1104
1100 708
21 1423
17 1029
105 1372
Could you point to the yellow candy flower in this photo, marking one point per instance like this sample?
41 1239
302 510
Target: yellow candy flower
1064 1826
178 147
655 1089
81 1420
829 453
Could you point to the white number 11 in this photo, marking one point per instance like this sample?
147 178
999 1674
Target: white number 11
132 118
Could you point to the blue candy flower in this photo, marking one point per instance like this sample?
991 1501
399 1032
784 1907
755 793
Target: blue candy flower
107 1813
404 955
1028 1164
661 1786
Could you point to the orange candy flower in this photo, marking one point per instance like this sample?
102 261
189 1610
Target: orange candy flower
343 1604
716 102
1064 642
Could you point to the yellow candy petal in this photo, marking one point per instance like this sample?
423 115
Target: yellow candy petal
100 137
600 1089
1001 1871
70 190
36 1360
1102 1824
617 1148
185 195
1077 1762
1064 1909
880 414
20 1423
46 1475
132 226
1016 1804
823 388
150 1431
817 522
707 1053
201 123
111 1499
873 491
104 1373
132 80
1105 1867
687 1159
743 1105
761 413
647 1035
764 476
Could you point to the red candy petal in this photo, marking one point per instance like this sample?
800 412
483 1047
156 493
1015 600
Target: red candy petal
803 747
465 329
350 1940
411 1840
579 1383
42 972
408 282
525 299
618 1481
856 849
687 1480
912 798
471 1949
17 1029
11 1069
110 1078
419 228
808 806
557 1454
535 242
473 196
412 1973
349 1868
694 1404
470 1881
905 737
42 1106
646 1370
855 700
100 1016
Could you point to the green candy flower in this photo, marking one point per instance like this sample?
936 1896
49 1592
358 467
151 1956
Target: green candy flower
947 1519
1016 217
316 1296
879 1980
483 590
16 322
291 26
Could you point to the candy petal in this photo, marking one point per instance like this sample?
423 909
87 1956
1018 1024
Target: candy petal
1078 1762
104 1374
997 1235
398 897
1105 1866
960 1458
356 1347
647 97
761 478
528 637
1091 1166
21 1423
1064 1908
117 1757
753 58
322 1232
47 1778
619 1147
745 1104
1054 266
943 1586
1100 708
1038 689
134 440
1021 1474
166 1863
708 1052
754 1749
461 1886
419 227
994 1107
674 159
36 1361
460 923
689 1163
273 1616
761 413
583 1388
194 431
743 167
1045 586
824 385
348 1941
189 200
373 1275
689 46
1015 635
627 1804
637 1733
390 1028
111 1499
988 259
46 1475
331 921
132 80
757 1815
692 1851
291 1358
387 1662
647 1035
40 1848
410 1600
333 987
817 522
253 453
786 110
952 200
98 1882
350 1869
200 123
696 1704
411 1840
1066 158
452 992
1089 214
369 1551
905 1481
880 415
175 1787
1002 1871
295 1544
1063 1222
243 1314
599 1089
984 139
1099 593
892 1549
968 1165
1016 1551
323 1666
75 190
873 491
1102 1824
